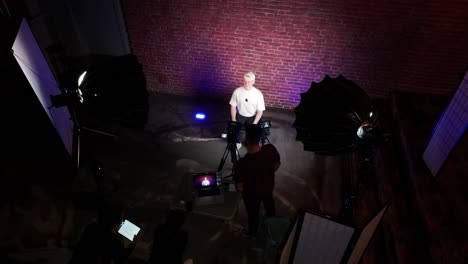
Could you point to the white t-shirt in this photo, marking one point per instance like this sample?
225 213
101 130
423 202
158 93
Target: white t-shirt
248 102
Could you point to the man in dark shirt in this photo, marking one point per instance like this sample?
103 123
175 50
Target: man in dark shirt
169 240
254 175
100 243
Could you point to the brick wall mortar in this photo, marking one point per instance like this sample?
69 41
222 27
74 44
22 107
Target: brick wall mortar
198 47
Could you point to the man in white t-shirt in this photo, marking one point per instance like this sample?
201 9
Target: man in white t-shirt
247 104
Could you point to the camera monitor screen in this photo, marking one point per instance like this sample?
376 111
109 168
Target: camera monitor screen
204 180
129 230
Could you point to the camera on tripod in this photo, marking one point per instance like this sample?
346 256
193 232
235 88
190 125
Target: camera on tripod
232 137
265 126
233 132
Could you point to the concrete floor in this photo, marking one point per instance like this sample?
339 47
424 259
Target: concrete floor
147 169
43 208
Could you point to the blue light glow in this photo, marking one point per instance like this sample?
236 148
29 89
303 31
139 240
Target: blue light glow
200 116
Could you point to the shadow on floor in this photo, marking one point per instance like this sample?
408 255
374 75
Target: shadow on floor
147 169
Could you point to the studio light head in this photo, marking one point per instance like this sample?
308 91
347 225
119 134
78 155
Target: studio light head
114 91
80 79
200 116
364 130
335 116
69 97
66 98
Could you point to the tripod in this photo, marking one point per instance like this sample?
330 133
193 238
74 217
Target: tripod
231 148
265 134
264 139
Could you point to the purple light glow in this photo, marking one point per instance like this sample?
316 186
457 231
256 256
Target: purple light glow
200 116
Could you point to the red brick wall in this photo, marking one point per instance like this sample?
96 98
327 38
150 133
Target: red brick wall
194 47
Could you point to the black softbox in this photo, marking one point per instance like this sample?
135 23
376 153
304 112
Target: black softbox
114 91
333 116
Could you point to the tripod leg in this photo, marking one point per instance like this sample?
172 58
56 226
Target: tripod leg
264 138
234 154
223 159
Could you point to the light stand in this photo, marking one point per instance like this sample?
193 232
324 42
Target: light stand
71 99
78 131
336 116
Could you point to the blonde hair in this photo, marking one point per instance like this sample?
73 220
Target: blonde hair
250 76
